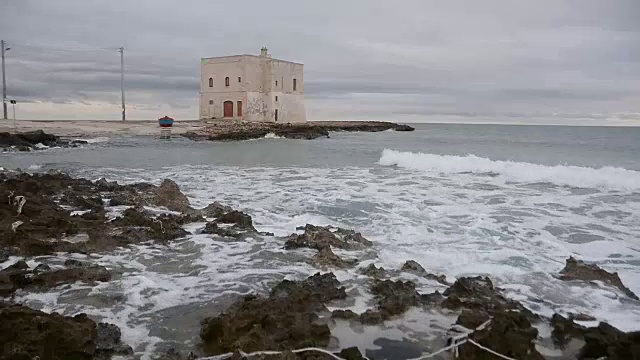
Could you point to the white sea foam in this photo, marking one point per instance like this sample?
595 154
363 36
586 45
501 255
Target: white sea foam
605 177
41 146
35 167
272 136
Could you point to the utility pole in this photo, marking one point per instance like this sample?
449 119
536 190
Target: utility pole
4 84
122 81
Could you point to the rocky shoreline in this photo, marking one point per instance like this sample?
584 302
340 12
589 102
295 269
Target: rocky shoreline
229 131
52 213
34 140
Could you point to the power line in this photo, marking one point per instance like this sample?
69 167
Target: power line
60 48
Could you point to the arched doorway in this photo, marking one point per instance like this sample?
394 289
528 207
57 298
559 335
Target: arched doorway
228 109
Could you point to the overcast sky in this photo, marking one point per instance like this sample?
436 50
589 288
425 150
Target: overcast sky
532 61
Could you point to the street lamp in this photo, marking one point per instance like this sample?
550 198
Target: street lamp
4 80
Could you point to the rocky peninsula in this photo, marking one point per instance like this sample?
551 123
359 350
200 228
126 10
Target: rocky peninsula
54 213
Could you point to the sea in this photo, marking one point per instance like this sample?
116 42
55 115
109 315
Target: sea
509 202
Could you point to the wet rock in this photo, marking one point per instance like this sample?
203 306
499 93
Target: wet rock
41 268
27 140
26 333
509 333
317 237
73 262
214 210
240 219
170 196
413 267
325 258
88 274
19 265
579 270
344 314
139 224
108 342
478 294
374 272
352 353
605 341
404 127
285 320
581 317
564 330
393 298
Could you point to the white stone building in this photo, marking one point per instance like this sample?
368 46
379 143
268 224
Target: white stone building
252 88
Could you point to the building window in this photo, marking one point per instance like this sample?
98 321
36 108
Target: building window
295 84
210 102
226 81
276 82
210 82
276 98
239 108
239 79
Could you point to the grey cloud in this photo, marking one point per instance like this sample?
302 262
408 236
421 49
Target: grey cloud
363 58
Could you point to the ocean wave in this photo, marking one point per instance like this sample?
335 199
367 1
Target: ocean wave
577 176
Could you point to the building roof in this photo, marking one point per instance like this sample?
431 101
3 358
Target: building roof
255 56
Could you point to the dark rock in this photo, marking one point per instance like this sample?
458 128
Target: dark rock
170 196
413 267
403 127
317 237
509 333
395 297
326 258
352 353
240 219
88 274
478 294
581 317
26 333
564 330
41 268
108 342
19 265
344 314
579 270
374 272
605 341
73 262
215 210
284 320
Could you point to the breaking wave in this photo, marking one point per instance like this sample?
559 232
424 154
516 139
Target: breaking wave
576 176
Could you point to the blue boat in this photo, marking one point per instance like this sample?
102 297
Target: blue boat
165 121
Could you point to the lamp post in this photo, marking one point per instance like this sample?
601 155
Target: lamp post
4 81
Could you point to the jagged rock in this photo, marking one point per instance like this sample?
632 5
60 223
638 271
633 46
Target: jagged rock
284 320
564 330
326 258
509 333
413 267
374 272
579 270
19 276
41 268
214 210
240 219
170 196
478 294
46 221
344 314
73 262
88 274
317 237
605 341
26 333
108 342
393 298
352 353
